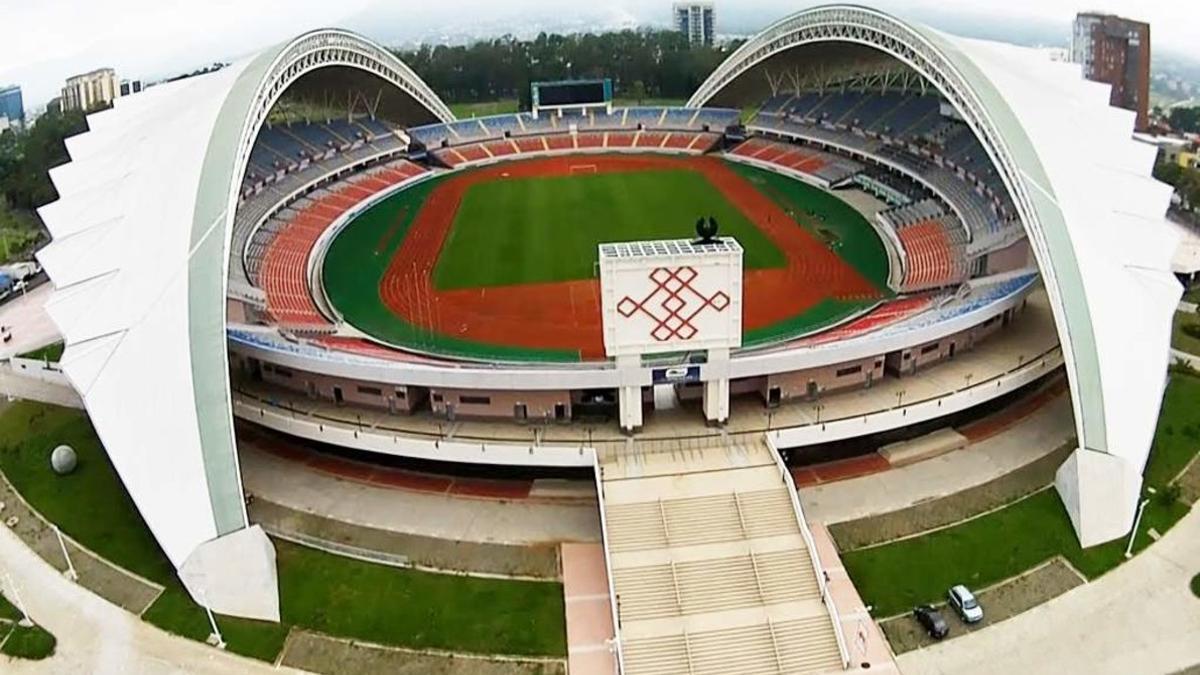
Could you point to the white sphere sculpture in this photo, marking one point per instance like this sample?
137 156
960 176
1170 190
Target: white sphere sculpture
63 460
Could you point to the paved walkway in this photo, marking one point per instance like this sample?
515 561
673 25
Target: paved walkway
98 638
30 389
31 325
1139 618
589 612
457 518
1035 436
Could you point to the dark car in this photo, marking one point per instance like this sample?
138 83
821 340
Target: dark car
931 620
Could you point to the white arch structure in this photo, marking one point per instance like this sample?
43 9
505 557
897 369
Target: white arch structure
1093 215
139 259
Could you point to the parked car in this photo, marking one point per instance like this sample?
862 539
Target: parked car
931 620
963 601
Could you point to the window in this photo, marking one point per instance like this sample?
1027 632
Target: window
370 391
852 370
475 400
437 398
282 372
929 348
401 394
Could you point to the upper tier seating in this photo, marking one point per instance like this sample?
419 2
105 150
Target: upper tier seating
830 168
674 141
474 130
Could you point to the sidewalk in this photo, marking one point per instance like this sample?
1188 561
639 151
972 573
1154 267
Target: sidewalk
1026 441
95 637
443 516
31 325
1139 618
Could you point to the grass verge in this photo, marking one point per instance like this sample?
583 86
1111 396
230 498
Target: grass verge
1004 543
1181 340
34 643
51 353
318 591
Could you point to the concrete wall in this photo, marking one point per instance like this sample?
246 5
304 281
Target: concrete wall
824 380
539 405
394 398
910 360
1015 256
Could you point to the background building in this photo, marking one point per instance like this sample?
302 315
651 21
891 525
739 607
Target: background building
695 20
130 87
1116 50
90 90
11 105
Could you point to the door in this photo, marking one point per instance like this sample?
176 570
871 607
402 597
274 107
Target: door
560 411
774 396
952 346
812 389
521 412
337 396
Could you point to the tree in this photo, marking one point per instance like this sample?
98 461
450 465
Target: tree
638 91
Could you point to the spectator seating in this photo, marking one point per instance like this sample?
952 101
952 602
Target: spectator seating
674 141
828 167
935 254
277 257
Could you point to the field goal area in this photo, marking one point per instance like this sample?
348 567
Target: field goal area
582 168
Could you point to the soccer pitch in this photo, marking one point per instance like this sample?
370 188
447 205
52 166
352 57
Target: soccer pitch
546 229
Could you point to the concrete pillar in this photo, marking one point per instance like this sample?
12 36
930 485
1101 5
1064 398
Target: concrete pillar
716 387
1100 492
235 575
629 394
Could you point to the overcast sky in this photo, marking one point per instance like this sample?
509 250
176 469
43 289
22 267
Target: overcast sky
45 41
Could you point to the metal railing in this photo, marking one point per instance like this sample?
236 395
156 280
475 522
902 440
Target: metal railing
818 570
613 601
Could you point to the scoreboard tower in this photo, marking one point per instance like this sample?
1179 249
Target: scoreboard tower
564 96
672 297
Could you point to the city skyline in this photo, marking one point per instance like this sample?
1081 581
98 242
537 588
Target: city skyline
151 41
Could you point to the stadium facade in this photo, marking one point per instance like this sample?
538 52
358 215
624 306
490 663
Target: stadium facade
142 243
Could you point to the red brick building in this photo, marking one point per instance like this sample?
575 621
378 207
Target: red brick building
1116 50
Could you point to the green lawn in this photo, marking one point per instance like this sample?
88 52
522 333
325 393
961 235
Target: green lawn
533 230
463 110
895 577
1181 340
319 591
51 352
34 643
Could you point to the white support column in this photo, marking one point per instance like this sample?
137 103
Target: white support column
629 394
716 387
1100 492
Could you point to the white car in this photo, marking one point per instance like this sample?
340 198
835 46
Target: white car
963 601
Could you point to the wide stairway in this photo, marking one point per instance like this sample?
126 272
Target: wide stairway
710 568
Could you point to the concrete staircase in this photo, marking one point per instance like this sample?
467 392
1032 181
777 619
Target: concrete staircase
710 566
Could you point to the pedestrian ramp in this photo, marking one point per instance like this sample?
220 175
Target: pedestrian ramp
712 567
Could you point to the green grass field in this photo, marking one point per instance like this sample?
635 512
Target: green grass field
1004 543
531 230
320 591
546 229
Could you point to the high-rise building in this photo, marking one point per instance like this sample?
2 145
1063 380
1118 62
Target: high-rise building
130 87
696 21
11 105
90 90
1116 50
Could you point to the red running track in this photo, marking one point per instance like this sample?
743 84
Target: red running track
566 315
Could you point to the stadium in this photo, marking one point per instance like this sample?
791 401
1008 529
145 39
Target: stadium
911 226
